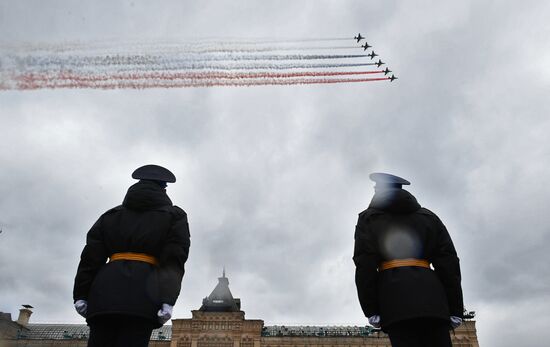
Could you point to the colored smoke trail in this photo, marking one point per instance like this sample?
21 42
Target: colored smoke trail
240 66
75 61
240 49
64 76
109 65
188 84
260 40
159 47
200 66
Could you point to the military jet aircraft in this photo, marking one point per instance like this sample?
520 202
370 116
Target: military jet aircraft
372 55
358 37
392 78
366 46
379 62
387 71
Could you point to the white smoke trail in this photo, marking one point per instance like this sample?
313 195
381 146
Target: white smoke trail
213 67
38 64
51 61
240 49
205 45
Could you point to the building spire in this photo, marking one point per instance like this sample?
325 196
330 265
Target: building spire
221 299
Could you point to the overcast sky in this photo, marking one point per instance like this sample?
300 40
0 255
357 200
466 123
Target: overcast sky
273 177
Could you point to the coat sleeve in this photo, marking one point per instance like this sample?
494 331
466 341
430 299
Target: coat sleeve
93 257
366 261
173 257
447 267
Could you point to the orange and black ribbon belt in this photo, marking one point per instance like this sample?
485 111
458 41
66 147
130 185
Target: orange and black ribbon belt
390 264
146 258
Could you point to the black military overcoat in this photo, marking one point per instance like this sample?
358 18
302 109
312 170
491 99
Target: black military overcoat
396 227
146 222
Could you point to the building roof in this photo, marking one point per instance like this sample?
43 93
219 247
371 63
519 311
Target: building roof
221 299
5 316
81 332
77 331
319 331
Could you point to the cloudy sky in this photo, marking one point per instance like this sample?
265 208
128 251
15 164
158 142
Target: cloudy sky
273 177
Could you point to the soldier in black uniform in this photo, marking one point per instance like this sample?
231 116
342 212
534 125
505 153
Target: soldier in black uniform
396 240
131 268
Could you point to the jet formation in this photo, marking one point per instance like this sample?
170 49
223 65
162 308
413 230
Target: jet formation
372 54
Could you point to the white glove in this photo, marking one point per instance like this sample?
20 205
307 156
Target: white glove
455 322
81 307
375 321
165 313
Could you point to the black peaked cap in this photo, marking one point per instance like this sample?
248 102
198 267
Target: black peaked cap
154 173
384 178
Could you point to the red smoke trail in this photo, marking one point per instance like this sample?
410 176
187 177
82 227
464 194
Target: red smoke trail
37 81
32 78
191 84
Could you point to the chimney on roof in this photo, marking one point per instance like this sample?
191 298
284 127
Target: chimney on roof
24 315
